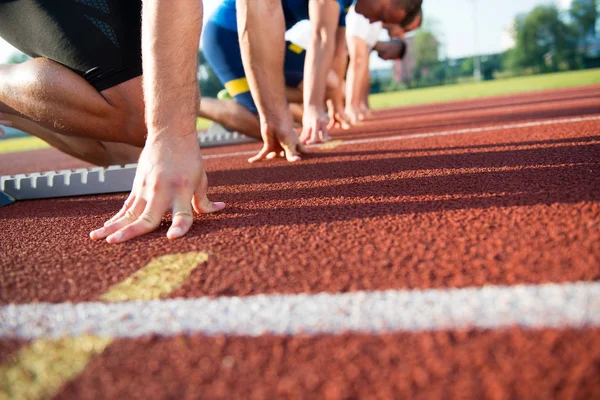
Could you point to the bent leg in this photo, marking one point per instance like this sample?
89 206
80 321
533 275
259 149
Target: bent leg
61 101
89 150
231 115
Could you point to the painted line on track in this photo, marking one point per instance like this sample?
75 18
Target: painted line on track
39 369
430 134
530 306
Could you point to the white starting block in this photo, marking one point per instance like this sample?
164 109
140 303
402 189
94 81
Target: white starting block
98 180
78 182
217 135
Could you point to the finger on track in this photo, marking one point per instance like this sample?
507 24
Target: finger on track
200 201
262 154
129 215
147 221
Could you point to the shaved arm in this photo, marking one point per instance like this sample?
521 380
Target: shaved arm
263 54
261 30
357 71
340 58
324 15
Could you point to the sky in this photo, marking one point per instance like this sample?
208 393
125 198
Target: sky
454 24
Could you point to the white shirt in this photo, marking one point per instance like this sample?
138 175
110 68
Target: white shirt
358 25
300 33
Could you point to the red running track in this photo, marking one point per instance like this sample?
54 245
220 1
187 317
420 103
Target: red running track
499 206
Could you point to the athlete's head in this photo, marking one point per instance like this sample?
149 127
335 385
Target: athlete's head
401 12
398 31
394 49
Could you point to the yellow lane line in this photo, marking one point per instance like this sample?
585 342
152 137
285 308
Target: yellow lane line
331 145
38 370
157 279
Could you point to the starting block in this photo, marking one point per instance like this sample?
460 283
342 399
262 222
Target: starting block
64 183
98 180
217 135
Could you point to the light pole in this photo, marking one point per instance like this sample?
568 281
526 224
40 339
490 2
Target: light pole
476 61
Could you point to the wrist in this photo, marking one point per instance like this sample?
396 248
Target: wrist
158 134
314 109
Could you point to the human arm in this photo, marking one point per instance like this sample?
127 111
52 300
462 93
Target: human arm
170 173
324 15
335 88
358 71
262 55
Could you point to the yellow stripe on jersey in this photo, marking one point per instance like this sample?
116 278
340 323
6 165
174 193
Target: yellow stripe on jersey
295 48
237 86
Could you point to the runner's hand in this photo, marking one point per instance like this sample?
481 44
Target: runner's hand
283 142
337 117
314 126
170 176
355 115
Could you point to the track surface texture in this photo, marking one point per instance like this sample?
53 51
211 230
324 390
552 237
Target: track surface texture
502 191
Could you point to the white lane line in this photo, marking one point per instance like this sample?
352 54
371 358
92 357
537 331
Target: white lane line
574 305
432 134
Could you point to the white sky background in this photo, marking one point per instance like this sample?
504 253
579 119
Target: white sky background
454 25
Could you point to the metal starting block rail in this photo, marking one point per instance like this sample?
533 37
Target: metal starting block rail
98 180
78 182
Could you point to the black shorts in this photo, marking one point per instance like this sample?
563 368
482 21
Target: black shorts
97 39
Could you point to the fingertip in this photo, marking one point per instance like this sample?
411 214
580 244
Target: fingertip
174 233
115 238
218 205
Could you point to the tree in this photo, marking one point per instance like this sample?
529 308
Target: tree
426 49
209 83
543 41
584 14
18 58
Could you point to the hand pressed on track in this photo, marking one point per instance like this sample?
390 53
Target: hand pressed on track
282 141
170 177
314 126
337 117
355 115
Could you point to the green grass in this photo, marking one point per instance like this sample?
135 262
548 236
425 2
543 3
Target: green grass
415 96
202 124
21 144
483 89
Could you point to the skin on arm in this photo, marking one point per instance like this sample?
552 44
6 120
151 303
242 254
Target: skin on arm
170 173
263 55
324 15
335 95
358 69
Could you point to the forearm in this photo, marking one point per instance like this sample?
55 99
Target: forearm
324 15
318 61
170 37
340 57
366 88
357 71
262 55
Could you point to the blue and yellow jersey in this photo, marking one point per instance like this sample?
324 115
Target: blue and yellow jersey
293 11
